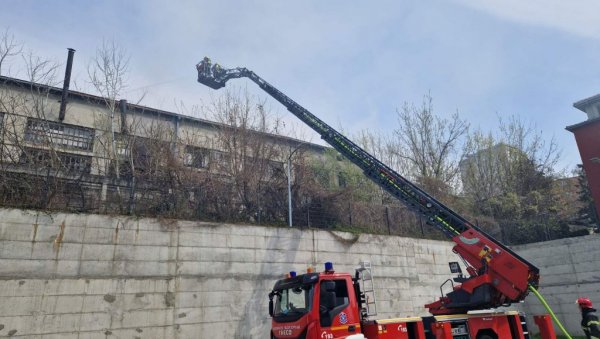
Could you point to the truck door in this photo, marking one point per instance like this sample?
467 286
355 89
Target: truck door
336 315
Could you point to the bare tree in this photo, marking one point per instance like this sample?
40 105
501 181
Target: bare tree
9 47
517 159
248 155
509 176
40 70
107 73
430 145
37 169
382 147
542 153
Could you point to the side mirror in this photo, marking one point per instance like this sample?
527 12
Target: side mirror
271 304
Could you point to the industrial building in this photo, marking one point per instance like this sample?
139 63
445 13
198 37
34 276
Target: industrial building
94 149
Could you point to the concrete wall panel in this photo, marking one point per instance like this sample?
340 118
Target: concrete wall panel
569 269
97 276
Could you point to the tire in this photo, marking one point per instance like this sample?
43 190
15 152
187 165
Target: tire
485 336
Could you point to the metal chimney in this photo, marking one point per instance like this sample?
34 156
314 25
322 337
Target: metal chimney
65 92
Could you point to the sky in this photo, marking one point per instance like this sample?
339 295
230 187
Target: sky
353 64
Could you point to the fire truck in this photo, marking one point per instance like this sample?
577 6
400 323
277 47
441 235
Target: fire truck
330 305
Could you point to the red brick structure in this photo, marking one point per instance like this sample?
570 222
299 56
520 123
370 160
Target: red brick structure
587 136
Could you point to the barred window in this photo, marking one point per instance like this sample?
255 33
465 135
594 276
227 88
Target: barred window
144 154
38 158
76 163
196 157
59 134
122 148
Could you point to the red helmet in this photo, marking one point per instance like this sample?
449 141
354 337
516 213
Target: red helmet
584 302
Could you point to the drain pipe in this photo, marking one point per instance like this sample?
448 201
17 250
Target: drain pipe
65 91
123 110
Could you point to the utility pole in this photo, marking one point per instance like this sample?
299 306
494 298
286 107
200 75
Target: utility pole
289 177
289 180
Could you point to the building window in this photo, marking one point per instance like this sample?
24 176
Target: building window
1 120
122 148
195 157
59 134
143 155
276 170
221 159
38 158
76 163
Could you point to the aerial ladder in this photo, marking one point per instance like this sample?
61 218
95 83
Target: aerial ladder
496 276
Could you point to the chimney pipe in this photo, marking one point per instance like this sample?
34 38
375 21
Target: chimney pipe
65 91
123 109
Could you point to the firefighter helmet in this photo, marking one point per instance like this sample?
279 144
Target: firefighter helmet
584 302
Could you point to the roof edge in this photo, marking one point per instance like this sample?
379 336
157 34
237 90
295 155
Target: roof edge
581 104
139 108
572 128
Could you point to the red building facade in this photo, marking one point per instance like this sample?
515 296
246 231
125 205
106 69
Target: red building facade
587 136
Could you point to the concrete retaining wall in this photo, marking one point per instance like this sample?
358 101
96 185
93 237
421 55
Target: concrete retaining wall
570 268
95 276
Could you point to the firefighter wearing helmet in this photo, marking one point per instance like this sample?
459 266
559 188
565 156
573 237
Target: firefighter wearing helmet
589 321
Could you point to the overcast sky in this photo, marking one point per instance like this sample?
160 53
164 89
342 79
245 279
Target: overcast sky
353 64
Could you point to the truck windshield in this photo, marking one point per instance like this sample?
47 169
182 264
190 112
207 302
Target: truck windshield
293 301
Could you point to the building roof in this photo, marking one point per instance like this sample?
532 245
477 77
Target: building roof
98 100
584 103
572 128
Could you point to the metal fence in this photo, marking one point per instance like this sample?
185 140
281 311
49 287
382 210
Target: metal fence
24 187
93 194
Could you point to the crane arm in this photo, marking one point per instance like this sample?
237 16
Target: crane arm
498 276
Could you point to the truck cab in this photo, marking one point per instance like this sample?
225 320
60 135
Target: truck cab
315 305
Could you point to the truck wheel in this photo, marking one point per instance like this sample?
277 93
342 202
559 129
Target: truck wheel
486 336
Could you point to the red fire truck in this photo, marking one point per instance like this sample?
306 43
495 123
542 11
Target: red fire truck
331 305
339 305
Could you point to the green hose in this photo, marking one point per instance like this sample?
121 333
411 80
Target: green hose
558 323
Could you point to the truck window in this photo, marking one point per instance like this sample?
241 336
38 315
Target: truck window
293 301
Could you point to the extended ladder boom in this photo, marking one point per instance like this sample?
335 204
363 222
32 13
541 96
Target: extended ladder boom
498 276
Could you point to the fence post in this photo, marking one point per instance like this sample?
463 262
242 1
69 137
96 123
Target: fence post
387 219
103 191
349 213
132 195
